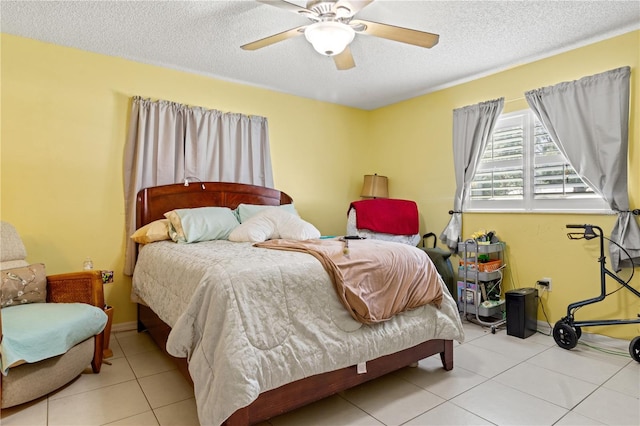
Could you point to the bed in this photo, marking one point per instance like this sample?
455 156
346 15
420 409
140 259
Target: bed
301 349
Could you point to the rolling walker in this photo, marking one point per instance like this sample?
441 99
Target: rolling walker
567 330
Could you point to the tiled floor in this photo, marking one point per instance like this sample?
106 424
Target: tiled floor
497 379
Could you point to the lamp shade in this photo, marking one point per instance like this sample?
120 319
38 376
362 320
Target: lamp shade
329 38
375 187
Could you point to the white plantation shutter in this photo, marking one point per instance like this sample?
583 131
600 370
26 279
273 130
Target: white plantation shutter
553 176
500 175
522 169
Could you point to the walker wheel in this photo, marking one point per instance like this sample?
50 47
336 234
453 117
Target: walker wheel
578 331
634 349
565 336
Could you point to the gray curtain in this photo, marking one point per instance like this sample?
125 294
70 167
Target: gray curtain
168 142
227 147
472 128
589 121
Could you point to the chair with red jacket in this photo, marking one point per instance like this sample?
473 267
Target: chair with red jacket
397 220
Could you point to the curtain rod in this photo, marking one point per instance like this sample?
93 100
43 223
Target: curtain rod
513 100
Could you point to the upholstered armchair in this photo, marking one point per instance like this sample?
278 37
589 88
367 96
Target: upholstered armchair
70 315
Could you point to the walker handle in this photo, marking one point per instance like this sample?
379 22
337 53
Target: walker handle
588 233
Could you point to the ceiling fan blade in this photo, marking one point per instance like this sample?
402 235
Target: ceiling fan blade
267 41
281 4
348 8
391 32
344 60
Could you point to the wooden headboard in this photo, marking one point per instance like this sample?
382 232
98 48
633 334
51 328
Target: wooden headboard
152 203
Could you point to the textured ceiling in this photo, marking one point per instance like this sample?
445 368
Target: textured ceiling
477 38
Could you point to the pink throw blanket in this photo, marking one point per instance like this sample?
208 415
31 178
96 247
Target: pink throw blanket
387 215
374 279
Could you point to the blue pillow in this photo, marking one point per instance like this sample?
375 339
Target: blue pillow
201 224
37 331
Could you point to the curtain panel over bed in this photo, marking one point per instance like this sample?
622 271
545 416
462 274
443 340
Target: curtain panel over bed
168 142
588 119
472 128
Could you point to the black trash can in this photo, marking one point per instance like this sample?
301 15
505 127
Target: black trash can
522 312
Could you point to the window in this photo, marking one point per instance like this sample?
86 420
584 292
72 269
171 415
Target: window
522 169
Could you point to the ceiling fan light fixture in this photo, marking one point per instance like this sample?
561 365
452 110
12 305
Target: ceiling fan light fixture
329 38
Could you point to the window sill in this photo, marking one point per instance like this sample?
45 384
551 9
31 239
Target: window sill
571 212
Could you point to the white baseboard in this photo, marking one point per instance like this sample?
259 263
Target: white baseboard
594 339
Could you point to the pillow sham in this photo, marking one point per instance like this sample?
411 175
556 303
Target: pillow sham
245 211
24 285
273 223
201 224
155 231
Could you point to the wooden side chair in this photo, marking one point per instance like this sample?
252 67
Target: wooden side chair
51 327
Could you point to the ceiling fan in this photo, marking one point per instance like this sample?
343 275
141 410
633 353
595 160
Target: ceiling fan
333 29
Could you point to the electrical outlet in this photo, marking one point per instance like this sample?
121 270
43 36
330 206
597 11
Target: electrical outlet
544 284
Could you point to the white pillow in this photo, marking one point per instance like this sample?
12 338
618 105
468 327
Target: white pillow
272 223
246 211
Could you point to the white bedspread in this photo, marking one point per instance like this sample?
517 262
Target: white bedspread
251 319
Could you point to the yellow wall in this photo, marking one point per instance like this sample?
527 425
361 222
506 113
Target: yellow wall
63 127
64 124
413 148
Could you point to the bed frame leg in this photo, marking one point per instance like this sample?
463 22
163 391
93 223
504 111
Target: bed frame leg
447 355
141 326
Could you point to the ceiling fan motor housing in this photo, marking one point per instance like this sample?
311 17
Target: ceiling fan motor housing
330 10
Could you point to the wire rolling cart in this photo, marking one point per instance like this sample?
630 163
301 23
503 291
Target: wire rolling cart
479 292
567 331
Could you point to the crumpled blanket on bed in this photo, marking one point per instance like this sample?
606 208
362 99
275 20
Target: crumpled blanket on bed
250 320
375 280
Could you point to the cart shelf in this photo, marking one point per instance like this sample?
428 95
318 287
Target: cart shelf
476 277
